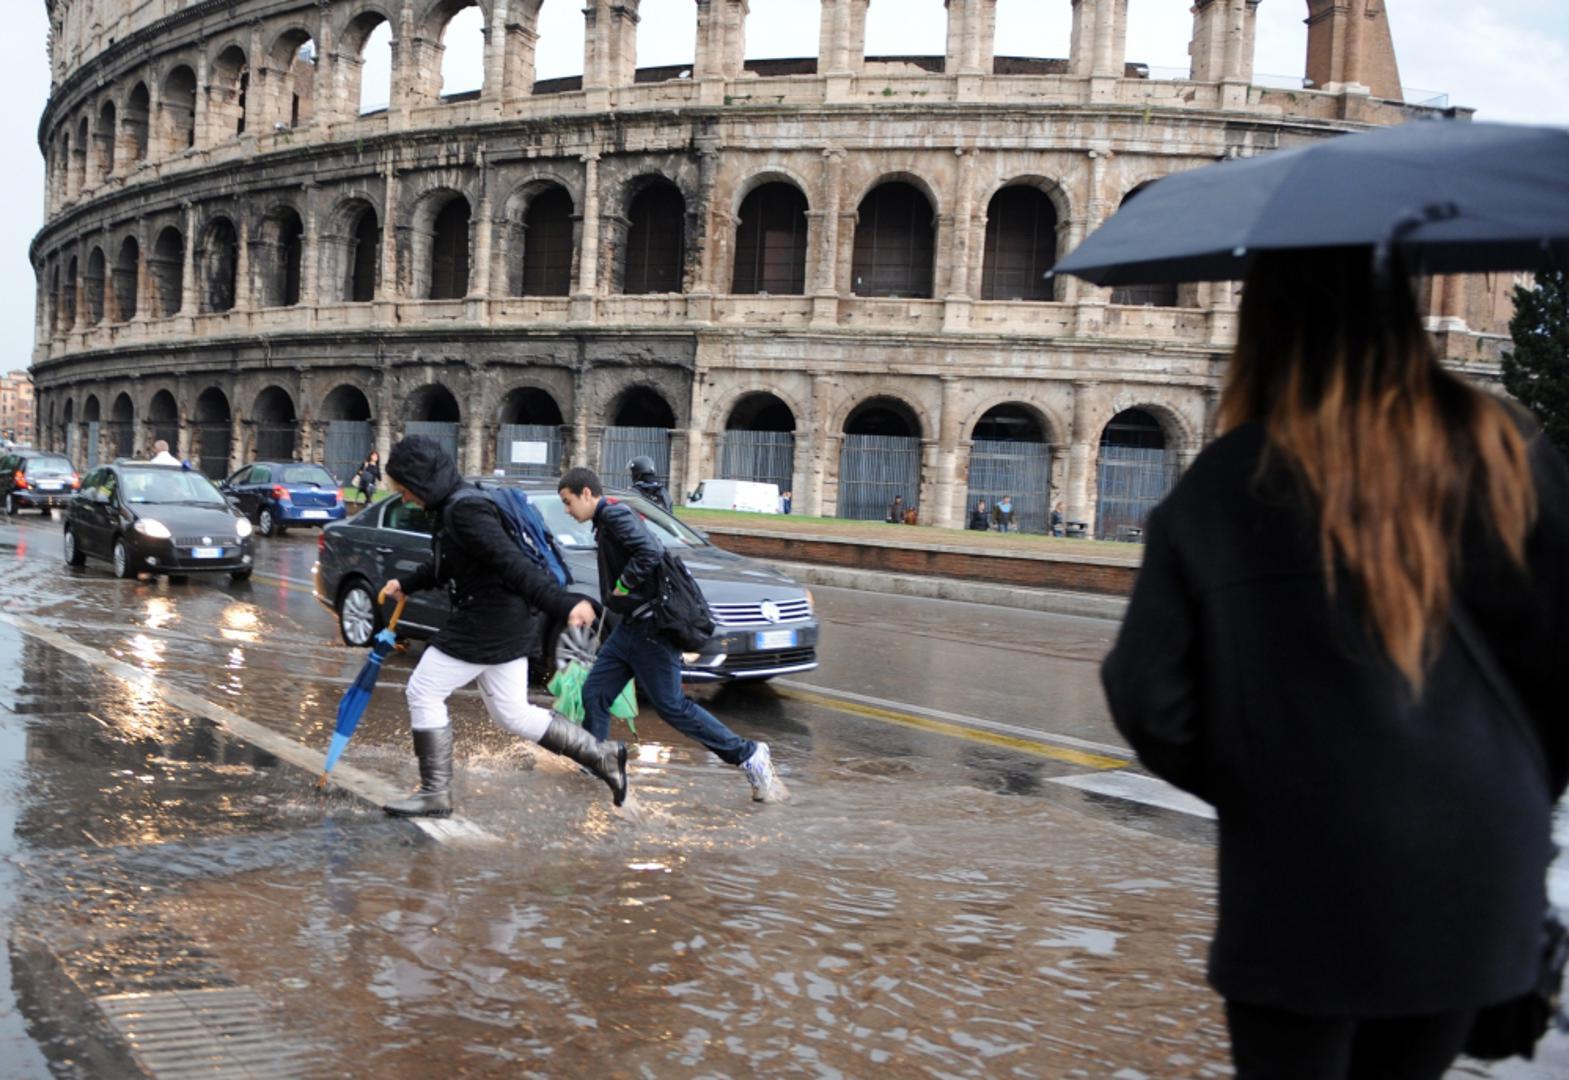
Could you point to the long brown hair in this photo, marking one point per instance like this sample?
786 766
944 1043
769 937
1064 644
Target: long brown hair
1393 449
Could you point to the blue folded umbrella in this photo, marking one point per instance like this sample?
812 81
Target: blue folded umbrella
354 702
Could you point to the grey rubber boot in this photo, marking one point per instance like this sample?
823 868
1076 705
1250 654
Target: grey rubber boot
434 797
606 760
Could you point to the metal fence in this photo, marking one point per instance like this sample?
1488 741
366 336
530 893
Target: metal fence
210 449
92 444
620 445
444 432
766 457
529 450
875 468
1130 480
275 441
348 445
1018 469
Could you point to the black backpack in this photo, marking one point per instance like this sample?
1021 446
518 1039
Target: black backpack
680 613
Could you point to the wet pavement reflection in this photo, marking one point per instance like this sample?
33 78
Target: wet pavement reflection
926 906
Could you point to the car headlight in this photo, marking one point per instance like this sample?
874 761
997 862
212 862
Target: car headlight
242 528
155 530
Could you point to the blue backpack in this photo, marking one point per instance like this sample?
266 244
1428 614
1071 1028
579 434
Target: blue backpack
526 526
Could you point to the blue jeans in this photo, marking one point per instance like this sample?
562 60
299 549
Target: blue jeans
634 652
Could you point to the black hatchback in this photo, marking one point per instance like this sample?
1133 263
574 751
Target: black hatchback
157 519
36 480
767 625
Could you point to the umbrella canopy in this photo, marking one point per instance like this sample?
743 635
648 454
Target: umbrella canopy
1449 196
352 707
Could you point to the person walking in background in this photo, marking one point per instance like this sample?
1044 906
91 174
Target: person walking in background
498 598
629 571
1347 635
369 476
1002 514
785 502
1057 526
980 520
896 511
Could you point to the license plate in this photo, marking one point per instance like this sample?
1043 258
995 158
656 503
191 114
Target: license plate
774 639
207 553
50 487
313 513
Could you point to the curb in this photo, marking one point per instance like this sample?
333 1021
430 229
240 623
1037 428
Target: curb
1050 601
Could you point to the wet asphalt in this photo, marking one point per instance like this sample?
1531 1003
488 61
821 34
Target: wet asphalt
933 901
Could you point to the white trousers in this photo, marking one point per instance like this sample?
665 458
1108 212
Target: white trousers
504 687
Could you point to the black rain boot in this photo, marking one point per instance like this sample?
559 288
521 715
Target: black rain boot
434 797
606 760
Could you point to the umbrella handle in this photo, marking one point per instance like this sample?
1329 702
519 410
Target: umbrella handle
397 612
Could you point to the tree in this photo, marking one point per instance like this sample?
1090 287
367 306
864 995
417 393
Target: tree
1537 371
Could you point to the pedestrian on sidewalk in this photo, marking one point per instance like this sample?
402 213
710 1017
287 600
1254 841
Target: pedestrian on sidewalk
896 511
630 560
369 476
1002 514
1057 528
980 520
1348 635
498 599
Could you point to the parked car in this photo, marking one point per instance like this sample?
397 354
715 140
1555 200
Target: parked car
767 625
158 519
278 494
36 480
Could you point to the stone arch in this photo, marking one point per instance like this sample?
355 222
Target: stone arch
894 250
718 412
93 286
277 255
1135 466
1011 447
91 411
217 258
540 236
353 37
433 403
228 91
291 78
68 293
529 403
1061 198
137 119
126 279
347 400
1052 428
273 404
276 424
81 153
761 410
641 404
166 266
771 174
211 404
861 412
1020 245
432 27
904 176
212 432
163 419
122 426
350 247
442 243
177 111
1179 434
655 213
106 137
880 455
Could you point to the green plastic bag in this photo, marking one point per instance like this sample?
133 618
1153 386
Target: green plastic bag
567 686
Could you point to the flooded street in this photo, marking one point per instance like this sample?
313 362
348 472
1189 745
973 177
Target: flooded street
970 880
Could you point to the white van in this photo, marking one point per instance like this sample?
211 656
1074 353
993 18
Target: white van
735 495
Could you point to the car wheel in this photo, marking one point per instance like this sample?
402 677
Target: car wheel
265 524
358 619
122 560
74 556
579 643
239 575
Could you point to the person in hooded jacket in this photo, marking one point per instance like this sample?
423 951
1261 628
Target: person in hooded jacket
645 480
498 599
629 572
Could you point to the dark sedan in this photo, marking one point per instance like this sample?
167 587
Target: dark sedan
276 495
36 480
766 622
156 519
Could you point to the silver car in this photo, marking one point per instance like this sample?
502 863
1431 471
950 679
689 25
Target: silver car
766 622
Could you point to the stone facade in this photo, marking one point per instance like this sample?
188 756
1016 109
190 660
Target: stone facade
16 407
855 248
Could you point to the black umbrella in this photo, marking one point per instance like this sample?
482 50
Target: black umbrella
1449 196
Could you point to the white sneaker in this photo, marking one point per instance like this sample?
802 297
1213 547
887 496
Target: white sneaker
766 785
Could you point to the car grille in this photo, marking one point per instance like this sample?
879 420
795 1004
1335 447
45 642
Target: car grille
206 541
751 615
760 661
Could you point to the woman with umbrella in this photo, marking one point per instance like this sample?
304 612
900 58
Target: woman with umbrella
1348 635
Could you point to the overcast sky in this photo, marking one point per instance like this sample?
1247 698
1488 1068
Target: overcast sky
1508 61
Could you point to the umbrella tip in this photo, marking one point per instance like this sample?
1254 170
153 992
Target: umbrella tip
321 784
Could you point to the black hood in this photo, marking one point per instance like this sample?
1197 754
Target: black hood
422 465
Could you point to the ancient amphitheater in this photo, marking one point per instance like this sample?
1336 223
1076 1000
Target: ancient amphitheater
829 272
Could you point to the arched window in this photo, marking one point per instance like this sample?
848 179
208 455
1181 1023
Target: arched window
656 240
1144 295
895 243
68 295
276 425
1021 245
136 122
294 60
366 61
220 265
127 278
770 242
93 286
279 254
546 239
364 258
79 155
449 252
230 92
177 125
105 137
163 415
166 267
463 51
1134 472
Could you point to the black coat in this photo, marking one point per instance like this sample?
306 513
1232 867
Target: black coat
1378 856
628 553
498 594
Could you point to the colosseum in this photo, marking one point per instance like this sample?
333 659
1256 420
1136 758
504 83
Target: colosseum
831 272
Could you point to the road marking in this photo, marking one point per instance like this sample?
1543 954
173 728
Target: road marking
292 584
365 786
1138 788
1064 748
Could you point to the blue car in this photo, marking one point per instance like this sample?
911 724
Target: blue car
277 495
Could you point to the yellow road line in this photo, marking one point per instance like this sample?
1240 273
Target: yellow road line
287 584
942 727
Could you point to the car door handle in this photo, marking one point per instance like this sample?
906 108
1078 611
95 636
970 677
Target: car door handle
384 551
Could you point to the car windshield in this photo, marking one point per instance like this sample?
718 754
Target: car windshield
49 466
571 534
170 485
306 474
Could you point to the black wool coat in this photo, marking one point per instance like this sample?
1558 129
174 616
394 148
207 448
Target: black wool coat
500 599
1379 855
